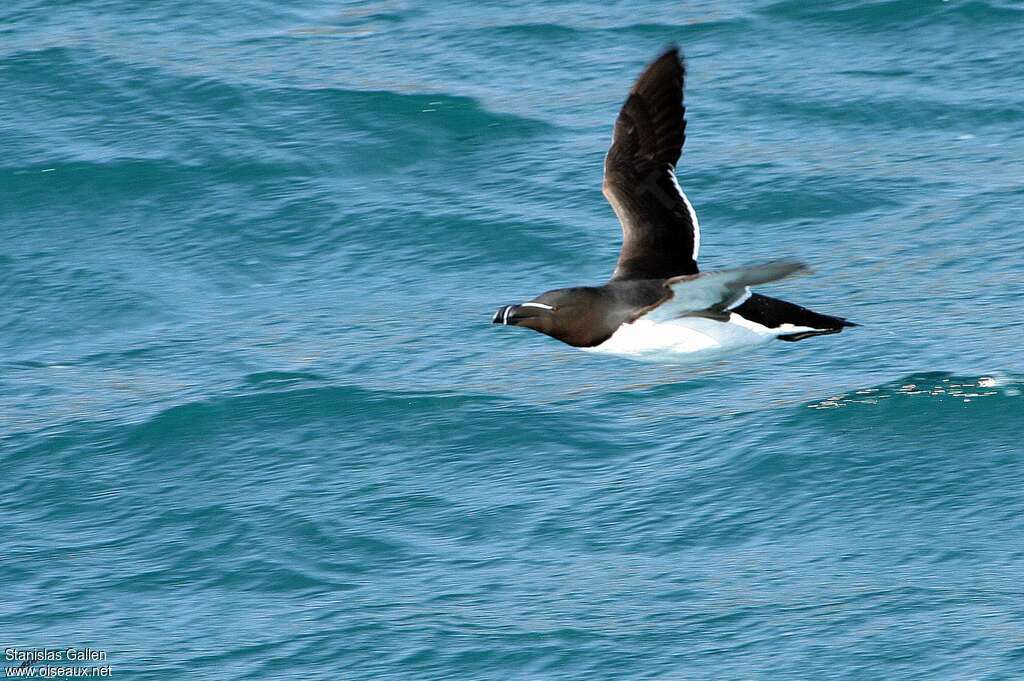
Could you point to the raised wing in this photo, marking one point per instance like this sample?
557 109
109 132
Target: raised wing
660 233
713 294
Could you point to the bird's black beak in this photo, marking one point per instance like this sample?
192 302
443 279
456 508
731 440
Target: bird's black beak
504 315
531 315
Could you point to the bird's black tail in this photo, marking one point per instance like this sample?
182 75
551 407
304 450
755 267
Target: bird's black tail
773 313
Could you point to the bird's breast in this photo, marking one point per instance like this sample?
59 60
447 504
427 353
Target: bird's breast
647 339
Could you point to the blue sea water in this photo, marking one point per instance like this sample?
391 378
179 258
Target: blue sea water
255 424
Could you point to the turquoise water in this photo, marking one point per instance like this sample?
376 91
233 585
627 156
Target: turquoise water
255 423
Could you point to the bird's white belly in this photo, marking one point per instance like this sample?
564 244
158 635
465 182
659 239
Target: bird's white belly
649 340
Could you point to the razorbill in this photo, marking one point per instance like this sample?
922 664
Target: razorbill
657 304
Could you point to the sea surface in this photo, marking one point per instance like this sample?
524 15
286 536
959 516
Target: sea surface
255 422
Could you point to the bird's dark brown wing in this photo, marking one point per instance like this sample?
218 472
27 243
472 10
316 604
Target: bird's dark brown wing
660 233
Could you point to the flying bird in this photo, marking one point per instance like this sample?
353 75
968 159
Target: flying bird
657 304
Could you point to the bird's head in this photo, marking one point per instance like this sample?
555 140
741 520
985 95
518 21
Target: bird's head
572 315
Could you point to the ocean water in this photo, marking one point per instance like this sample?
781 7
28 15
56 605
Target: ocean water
255 423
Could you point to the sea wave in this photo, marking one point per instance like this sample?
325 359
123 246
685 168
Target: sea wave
931 390
137 110
895 14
